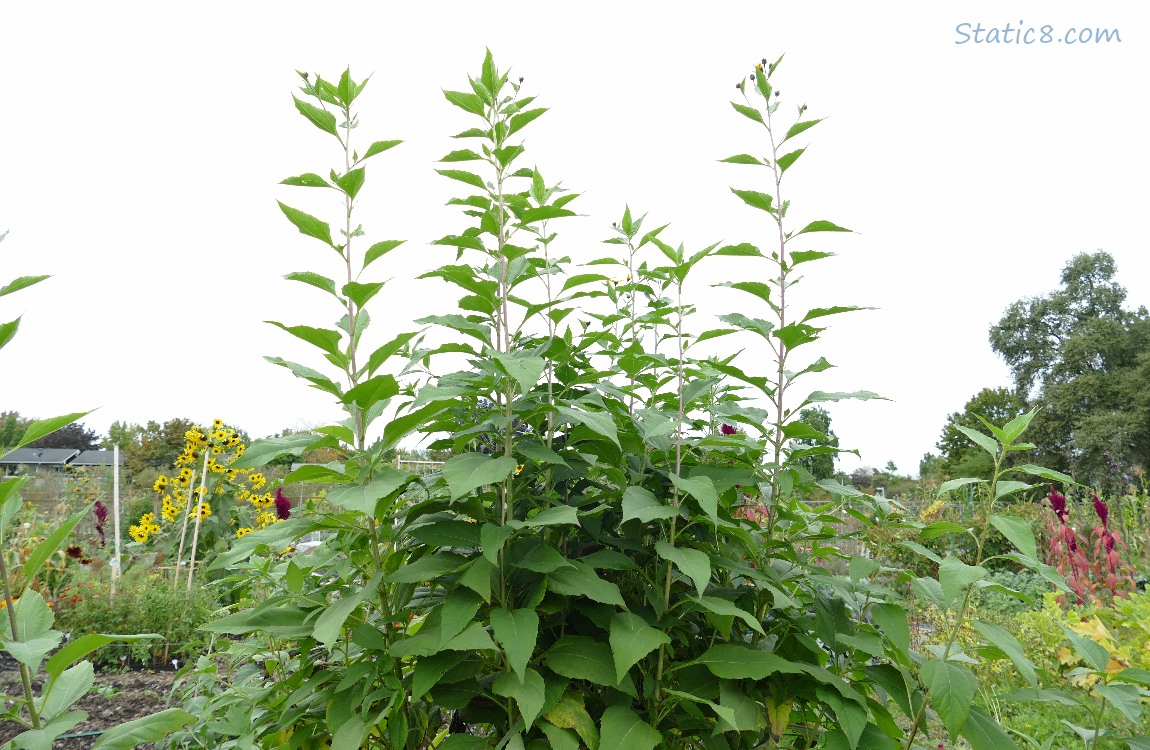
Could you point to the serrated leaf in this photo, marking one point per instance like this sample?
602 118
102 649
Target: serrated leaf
1019 533
984 441
351 182
150 728
786 160
622 729
378 148
642 504
471 471
631 639
314 279
579 657
799 127
692 563
755 199
520 121
309 179
733 662
952 689
306 223
749 112
22 282
955 576
516 631
365 498
822 225
1041 471
1001 639
43 427
728 609
598 422
469 178
954 484
468 102
742 159
322 119
529 693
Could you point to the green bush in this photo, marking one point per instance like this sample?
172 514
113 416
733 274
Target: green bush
145 603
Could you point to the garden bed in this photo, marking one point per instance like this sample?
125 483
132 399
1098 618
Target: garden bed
126 696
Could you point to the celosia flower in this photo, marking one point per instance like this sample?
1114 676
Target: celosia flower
1058 505
74 552
727 429
283 505
1101 509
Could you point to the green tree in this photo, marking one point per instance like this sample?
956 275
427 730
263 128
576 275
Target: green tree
124 434
1076 354
12 427
820 465
159 445
959 456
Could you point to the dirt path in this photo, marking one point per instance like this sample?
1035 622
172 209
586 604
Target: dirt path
130 696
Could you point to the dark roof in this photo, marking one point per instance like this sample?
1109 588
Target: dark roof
95 458
40 456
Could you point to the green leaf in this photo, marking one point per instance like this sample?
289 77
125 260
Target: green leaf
1001 639
744 249
631 639
955 576
559 738
984 441
261 451
378 250
307 224
952 690
1042 695
728 609
742 159
468 102
757 288
805 256
1006 487
324 339
328 626
579 657
317 379
983 732
1041 471
749 112
691 562
84 645
554 516
8 331
733 662
150 728
755 199
799 127
1126 698
822 225
542 213
823 396
702 488
516 631
600 423
428 568
322 119
786 160
1137 743
569 713
640 503
542 558
1018 532
1134 675
43 427
519 121
1093 652
429 670
954 484
314 279
470 471
462 155
529 694
22 282
525 369
469 178
378 148
365 498
459 534
582 580
893 620
371 391
622 729
351 182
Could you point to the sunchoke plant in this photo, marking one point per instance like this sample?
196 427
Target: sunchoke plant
622 551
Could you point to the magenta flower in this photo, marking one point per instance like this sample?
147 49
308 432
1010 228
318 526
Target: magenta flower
726 429
1101 509
1058 505
283 505
101 512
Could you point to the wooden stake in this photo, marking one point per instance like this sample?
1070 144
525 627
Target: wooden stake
196 534
184 531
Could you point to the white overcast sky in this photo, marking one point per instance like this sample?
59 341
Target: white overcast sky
141 145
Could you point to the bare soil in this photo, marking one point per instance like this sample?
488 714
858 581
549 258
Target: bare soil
131 694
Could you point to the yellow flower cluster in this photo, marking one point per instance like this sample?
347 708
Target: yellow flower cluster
145 528
243 531
265 519
170 511
203 509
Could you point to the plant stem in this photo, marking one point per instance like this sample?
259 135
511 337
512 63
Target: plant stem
25 673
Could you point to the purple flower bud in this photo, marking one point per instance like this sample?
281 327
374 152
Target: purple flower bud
283 505
1101 509
726 429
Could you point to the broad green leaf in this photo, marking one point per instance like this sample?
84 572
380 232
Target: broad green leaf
309 179
365 498
1125 698
430 669
261 451
307 224
955 576
324 339
786 160
733 662
742 159
622 729
519 121
469 178
1018 532
569 713
755 199
1042 695
22 282
525 369
529 693
380 249
314 279
516 631
702 488
322 119
952 690
984 441
805 256
728 609
8 331
72 685
473 638
470 471
427 568
150 728
581 658
84 645
756 288
1137 743
743 249
542 558
642 504
468 102
448 534
691 562
42 427
328 626
351 182
999 637
600 423
465 154
372 391
823 396
379 147
555 516
359 293
1093 652
894 623
799 127
559 738
631 639
48 733
821 225
1134 675
953 484
582 580
1006 487
749 112
1041 471
984 733
317 379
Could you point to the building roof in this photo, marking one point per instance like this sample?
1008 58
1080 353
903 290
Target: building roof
39 456
95 458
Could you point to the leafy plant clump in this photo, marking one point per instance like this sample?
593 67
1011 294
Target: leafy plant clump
619 552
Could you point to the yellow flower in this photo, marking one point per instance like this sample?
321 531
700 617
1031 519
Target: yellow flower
240 532
265 519
257 481
217 423
518 468
161 483
203 510
139 534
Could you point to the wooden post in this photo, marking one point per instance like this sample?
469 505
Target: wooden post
115 517
196 534
184 531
